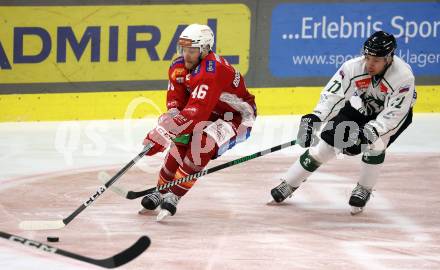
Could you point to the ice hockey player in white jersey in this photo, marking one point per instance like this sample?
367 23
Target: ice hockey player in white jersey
364 107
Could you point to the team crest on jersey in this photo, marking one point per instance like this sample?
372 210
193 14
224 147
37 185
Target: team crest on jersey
383 88
210 66
177 73
363 84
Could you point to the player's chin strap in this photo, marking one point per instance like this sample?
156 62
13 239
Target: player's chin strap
201 56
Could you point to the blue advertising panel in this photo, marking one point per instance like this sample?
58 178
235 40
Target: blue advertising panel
315 39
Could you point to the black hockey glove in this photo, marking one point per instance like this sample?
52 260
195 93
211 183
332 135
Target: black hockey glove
309 123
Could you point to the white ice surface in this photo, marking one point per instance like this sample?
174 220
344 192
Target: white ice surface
29 149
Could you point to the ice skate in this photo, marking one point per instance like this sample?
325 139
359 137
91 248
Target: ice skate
150 202
359 198
168 206
281 192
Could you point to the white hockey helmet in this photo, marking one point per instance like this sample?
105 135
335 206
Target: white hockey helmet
197 36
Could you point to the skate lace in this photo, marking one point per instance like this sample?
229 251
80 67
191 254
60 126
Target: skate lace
360 192
156 198
285 189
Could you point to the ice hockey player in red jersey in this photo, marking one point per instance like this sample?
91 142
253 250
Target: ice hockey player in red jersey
209 111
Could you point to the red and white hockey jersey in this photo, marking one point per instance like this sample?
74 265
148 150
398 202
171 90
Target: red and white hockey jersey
208 92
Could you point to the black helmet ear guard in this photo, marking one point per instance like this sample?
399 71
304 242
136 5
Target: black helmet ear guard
380 44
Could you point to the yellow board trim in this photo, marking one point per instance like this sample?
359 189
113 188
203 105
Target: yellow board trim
139 104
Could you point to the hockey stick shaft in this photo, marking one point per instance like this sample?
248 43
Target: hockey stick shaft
107 185
131 195
42 225
119 259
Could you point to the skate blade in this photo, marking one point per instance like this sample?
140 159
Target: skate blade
356 210
147 212
144 211
162 215
271 201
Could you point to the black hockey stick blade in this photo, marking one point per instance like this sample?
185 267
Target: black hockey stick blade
61 223
131 195
115 261
130 253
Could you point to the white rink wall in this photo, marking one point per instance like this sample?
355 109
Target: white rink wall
28 148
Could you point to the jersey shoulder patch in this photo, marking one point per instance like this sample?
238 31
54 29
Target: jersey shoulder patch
177 74
177 71
404 89
210 66
178 60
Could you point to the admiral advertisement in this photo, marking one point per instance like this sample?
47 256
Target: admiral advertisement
111 43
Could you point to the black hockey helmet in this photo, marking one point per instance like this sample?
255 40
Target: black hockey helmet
380 44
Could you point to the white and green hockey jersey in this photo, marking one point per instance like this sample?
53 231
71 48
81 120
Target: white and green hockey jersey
390 98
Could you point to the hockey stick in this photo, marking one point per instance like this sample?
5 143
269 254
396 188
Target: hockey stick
103 177
59 224
119 259
131 195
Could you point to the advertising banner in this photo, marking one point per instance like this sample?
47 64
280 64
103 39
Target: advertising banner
111 43
308 40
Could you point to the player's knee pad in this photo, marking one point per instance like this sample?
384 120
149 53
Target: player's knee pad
323 152
191 166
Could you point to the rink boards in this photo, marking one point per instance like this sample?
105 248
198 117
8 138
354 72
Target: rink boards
138 104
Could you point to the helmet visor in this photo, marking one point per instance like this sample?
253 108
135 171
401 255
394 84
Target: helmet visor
186 43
